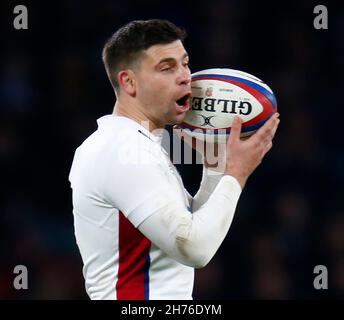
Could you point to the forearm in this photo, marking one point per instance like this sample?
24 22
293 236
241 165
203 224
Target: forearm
210 180
193 239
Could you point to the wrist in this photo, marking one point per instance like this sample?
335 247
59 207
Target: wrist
241 178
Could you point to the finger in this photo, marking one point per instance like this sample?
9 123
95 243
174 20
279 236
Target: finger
265 149
268 147
275 128
268 129
235 129
272 132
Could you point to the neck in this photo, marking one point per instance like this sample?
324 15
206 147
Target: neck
136 114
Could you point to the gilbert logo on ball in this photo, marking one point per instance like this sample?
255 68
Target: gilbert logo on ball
220 94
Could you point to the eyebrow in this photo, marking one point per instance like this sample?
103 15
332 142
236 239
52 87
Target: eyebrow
172 59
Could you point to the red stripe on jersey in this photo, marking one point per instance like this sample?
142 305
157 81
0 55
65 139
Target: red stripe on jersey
132 283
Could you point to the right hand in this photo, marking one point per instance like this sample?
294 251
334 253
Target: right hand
244 156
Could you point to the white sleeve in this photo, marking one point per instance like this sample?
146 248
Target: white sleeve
210 180
193 239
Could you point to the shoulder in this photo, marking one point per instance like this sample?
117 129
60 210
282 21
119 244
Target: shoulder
125 142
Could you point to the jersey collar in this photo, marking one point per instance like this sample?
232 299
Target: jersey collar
108 120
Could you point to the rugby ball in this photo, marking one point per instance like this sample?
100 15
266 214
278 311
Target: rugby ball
220 94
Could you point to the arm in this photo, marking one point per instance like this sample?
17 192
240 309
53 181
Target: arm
153 207
210 180
193 239
242 157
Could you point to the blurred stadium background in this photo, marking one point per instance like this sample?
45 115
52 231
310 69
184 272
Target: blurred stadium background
53 87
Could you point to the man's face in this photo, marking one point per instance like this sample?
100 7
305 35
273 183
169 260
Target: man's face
163 83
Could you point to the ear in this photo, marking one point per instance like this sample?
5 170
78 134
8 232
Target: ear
126 80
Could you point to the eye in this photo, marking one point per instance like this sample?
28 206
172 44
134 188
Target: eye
166 69
186 64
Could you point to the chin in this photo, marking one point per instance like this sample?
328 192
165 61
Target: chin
177 120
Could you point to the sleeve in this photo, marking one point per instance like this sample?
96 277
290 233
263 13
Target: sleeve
210 180
193 239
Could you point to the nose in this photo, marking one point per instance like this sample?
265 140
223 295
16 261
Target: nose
184 77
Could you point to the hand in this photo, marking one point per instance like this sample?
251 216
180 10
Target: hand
244 156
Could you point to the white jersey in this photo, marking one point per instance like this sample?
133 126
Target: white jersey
116 177
125 187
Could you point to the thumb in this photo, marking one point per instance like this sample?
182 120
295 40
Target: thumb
235 129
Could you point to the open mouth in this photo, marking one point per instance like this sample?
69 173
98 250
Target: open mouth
183 103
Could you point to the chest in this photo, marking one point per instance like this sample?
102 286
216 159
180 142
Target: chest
174 178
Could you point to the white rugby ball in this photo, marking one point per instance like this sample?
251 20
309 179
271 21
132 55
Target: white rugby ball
220 94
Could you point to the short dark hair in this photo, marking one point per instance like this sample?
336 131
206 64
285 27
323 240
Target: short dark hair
126 44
